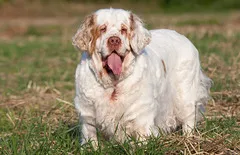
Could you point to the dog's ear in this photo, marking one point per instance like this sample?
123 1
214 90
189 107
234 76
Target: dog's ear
140 36
83 36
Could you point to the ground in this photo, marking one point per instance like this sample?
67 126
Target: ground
37 64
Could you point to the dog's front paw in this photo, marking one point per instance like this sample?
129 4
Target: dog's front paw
92 142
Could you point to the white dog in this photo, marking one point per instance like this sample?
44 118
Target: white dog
132 81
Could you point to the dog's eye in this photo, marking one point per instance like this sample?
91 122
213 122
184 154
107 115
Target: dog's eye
103 29
124 30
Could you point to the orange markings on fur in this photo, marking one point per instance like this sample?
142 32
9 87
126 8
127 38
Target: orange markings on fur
91 21
100 74
83 37
114 95
95 35
124 30
164 67
131 22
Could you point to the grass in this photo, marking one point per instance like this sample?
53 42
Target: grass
195 22
37 64
38 137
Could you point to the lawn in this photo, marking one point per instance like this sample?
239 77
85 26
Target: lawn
37 64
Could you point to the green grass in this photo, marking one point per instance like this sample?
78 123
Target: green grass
198 5
39 61
38 137
37 88
43 30
198 22
35 136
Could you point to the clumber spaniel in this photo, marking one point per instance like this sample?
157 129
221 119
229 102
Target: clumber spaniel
132 81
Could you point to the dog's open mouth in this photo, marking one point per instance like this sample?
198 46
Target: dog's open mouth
113 64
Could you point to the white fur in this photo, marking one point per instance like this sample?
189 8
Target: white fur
161 87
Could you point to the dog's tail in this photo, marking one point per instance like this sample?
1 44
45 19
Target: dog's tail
203 94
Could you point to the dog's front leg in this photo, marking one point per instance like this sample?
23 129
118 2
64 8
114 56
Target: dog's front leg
88 130
87 119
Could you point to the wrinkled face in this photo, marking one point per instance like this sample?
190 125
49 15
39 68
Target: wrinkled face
113 38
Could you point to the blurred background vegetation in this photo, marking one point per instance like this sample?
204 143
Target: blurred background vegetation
154 5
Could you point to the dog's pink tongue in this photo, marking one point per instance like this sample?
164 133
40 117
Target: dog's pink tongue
114 62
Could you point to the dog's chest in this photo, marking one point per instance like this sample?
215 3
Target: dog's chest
113 107
115 99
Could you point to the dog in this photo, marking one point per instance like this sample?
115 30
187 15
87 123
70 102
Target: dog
135 82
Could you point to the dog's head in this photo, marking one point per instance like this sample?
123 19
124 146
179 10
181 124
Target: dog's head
113 38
